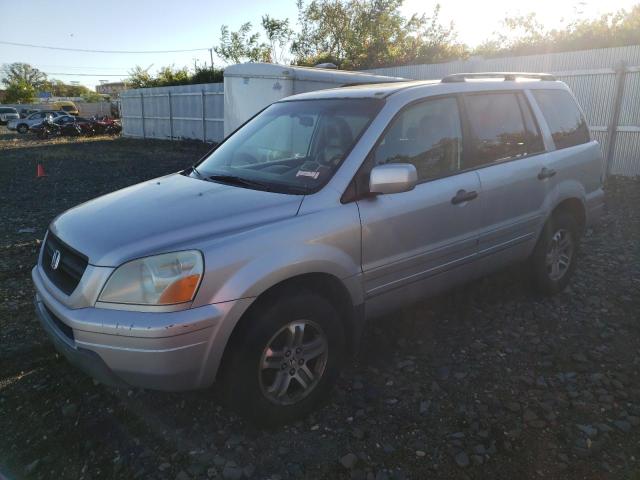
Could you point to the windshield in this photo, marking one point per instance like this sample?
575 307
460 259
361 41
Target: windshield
291 147
67 108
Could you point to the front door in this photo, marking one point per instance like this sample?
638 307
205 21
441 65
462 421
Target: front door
421 241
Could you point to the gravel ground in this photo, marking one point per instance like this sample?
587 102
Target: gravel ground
485 382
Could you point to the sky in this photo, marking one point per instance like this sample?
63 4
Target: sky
146 25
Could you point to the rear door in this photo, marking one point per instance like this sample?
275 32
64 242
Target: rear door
413 242
576 157
505 146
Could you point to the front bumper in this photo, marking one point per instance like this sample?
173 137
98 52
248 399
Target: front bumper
169 351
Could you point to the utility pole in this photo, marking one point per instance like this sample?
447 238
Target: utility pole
211 55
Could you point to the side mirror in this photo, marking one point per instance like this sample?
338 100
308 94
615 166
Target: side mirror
393 178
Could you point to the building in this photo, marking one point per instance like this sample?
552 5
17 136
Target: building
112 89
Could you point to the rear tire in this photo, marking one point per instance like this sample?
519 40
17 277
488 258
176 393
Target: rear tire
554 258
287 342
22 128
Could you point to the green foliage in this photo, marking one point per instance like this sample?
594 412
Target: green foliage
241 46
168 76
371 33
58 88
525 35
279 35
19 91
21 74
207 75
92 97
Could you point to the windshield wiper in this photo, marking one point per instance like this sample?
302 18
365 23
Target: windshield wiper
239 182
254 184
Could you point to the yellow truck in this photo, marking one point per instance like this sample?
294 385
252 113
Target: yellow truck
66 106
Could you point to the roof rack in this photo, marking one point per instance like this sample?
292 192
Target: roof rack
506 76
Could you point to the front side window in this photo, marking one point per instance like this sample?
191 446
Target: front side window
291 147
568 126
497 128
427 135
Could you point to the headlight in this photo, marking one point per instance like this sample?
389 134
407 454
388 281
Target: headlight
164 279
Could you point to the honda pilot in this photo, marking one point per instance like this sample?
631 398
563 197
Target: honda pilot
258 267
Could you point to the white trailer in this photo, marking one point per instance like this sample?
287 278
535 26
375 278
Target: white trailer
249 87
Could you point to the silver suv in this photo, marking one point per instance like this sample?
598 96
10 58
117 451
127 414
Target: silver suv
8 113
258 266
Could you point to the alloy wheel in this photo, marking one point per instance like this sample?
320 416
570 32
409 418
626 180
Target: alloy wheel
559 254
293 362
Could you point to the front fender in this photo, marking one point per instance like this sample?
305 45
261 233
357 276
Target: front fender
258 276
248 264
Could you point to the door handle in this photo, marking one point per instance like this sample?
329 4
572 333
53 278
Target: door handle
546 173
464 196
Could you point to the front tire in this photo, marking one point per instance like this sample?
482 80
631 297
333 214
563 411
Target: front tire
554 259
22 128
285 358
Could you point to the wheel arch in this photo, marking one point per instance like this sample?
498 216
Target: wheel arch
575 207
326 285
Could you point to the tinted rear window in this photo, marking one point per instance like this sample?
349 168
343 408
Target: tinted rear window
498 131
8 110
568 126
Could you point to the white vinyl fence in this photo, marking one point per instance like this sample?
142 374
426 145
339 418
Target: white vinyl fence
180 112
605 81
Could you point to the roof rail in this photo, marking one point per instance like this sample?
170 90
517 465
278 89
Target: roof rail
506 76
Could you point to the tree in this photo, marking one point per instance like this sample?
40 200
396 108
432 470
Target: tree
360 34
241 46
207 75
92 97
279 35
22 74
139 77
172 76
20 91
525 35
169 75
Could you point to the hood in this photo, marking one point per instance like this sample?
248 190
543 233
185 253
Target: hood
168 212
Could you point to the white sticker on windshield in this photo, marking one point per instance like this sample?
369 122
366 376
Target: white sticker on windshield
304 173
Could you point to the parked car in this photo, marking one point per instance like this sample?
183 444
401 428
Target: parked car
259 266
7 113
22 125
25 112
66 106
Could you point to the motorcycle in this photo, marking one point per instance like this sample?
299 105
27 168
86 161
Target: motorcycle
49 128
106 126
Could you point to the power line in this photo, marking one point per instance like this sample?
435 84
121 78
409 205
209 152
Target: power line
15 44
89 74
74 67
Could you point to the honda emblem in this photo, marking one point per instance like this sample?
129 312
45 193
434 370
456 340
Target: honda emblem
55 260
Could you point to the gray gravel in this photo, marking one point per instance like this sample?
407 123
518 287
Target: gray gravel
488 381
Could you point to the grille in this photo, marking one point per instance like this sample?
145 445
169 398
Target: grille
70 268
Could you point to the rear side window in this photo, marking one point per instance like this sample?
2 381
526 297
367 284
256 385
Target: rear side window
498 128
426 134
568 126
